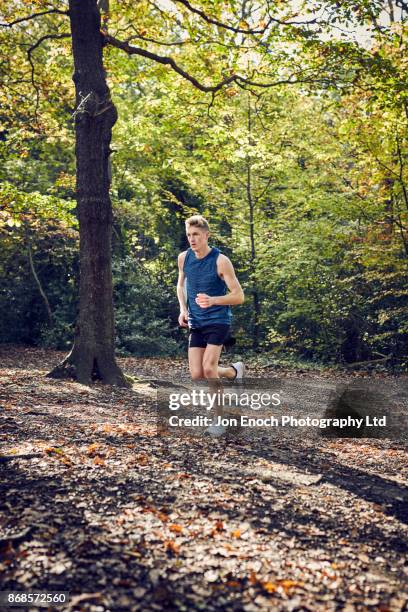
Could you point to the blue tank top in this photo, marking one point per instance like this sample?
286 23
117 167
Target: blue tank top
202 277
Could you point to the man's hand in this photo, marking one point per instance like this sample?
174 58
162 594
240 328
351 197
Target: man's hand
204 300
183 318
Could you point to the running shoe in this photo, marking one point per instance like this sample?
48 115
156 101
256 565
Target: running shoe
239 367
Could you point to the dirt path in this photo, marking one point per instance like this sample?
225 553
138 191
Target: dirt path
124 519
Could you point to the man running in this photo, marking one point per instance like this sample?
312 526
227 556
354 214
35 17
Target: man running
205 307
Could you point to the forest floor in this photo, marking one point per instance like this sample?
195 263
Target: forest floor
97 501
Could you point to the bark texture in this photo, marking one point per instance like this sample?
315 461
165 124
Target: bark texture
92 355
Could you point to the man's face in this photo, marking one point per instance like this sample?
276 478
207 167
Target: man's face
197 237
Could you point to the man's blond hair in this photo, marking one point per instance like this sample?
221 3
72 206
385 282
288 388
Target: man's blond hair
198 221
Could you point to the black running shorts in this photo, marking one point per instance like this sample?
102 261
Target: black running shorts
210 334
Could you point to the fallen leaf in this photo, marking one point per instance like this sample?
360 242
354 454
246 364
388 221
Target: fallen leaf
252 578
182 475
92 449
233 584
143 459
50 450
288 584
172 547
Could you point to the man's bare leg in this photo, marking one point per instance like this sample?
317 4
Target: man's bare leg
195 362
211 358
210 368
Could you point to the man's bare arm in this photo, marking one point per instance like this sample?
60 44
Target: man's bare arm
183 316
236 296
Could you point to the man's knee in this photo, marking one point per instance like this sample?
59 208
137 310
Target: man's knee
197 374
210 369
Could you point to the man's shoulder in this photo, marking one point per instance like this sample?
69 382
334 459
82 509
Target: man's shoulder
181 257
222 259
224 265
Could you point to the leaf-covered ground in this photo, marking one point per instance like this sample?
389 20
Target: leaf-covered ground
101 505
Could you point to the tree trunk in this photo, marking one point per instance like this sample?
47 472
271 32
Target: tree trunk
251 206
92 355
37 280
254 291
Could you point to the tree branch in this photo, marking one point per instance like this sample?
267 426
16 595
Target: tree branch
45 37
168 61
188 41
220 24
137 35
241 81
401 172
30 59
248 30
158 42
38 282
33 16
